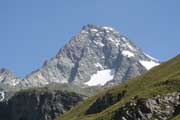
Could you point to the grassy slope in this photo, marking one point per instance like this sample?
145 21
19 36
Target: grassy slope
161 80
176 118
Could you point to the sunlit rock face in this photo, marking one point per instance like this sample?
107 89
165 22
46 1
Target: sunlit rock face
96 56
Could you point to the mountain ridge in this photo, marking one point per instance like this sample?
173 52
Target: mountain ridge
102 46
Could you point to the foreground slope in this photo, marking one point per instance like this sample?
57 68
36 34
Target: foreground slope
154 95
45 103
39 104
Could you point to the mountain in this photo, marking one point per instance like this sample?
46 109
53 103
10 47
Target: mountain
96 56
155 95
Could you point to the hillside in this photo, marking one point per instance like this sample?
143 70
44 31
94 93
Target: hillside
130 100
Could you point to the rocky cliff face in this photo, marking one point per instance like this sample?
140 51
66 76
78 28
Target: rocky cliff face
96 56
157 108
38 105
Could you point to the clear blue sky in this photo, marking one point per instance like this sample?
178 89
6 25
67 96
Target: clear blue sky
32 31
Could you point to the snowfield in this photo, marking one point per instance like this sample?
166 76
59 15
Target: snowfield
101 77
148 64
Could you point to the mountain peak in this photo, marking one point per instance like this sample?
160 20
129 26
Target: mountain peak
98 55
89 26
95 28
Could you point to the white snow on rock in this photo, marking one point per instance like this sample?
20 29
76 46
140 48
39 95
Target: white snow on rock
99 43
14 82
98 65
93 30
101 77
124 39
151 57
148 64
84 31
108 28
130 47
115 41
128 53
2 96
111 39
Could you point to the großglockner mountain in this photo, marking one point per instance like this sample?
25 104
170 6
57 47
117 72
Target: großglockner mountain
95 56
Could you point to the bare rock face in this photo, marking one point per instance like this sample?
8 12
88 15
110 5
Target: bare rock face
159 107
93 53
38 105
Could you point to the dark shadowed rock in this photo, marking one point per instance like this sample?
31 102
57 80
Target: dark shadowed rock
38 105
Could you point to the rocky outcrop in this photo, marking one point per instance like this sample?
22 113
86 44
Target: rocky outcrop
104 102
38 105
159 108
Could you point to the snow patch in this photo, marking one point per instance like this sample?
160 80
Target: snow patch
130 47
148 64
84 31
111 39
14 82
93 30
108 28
151 57
98 65
99 43
97 34
101 77
124 39
114 40
2 96
128 53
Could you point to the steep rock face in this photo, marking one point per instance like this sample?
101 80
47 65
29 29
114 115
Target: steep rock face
38 105
93 53
160 108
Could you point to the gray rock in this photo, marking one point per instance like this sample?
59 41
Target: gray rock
38 105
160 108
